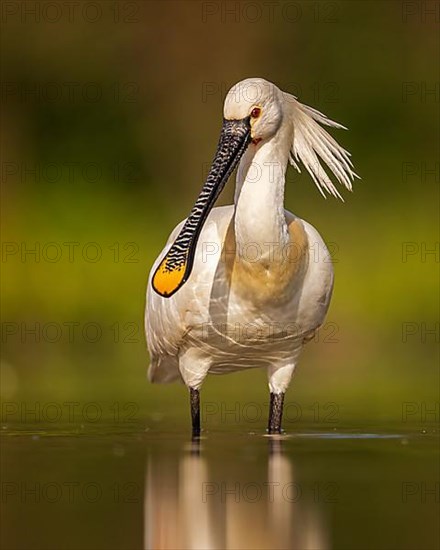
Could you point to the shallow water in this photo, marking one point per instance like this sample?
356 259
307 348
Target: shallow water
109 488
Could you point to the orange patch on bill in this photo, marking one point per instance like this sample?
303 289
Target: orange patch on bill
167 280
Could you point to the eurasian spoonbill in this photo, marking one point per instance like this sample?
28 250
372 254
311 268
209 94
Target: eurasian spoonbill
247 285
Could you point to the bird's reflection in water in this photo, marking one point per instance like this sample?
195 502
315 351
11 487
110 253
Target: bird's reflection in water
193 501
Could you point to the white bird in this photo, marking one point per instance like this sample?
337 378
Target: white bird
247 285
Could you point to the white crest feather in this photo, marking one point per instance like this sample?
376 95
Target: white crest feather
312 143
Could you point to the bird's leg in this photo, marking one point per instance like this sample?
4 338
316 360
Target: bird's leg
275 413
194 397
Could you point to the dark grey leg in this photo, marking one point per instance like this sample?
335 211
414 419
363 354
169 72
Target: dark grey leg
194 398
275 413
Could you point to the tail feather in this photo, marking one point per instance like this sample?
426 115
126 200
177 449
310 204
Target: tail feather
164 370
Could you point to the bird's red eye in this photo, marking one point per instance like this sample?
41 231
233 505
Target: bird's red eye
255 113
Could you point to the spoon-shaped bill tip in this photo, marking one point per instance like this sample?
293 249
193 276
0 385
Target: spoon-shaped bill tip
168 278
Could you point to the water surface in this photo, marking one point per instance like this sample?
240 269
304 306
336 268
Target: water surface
135 488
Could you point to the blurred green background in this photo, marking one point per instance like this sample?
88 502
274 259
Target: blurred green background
111 114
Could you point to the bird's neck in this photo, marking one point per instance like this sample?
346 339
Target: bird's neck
259 220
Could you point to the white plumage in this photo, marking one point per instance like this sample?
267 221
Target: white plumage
261 281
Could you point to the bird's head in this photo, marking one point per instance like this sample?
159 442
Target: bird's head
258 104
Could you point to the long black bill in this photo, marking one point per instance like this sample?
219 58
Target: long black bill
176 266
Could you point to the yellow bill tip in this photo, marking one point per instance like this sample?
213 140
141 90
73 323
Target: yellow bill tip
167 280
